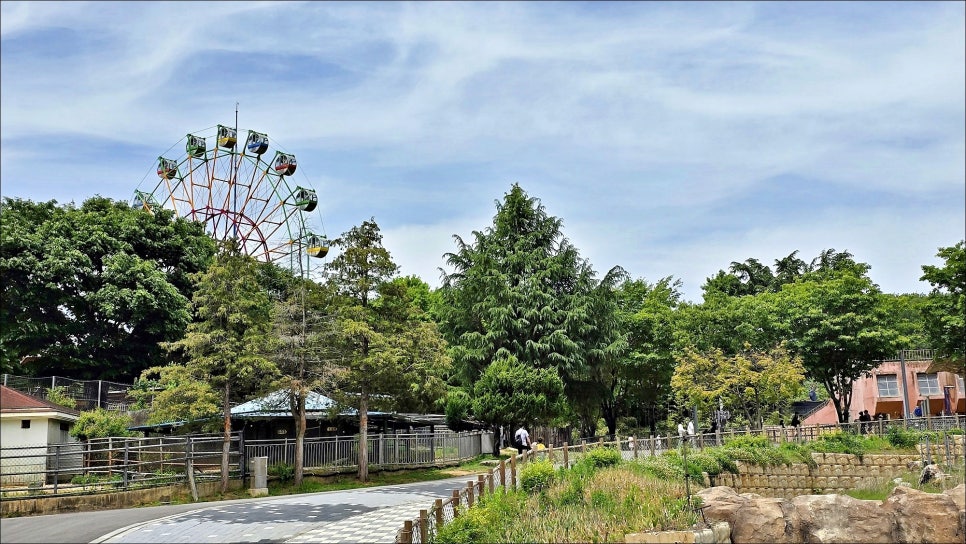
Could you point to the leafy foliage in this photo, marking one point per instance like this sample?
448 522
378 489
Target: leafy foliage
101 423
510 392
945 315
521 289
89 291
603 457
752 383
61 395
537 476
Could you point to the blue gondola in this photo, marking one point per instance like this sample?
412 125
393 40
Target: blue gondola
257 142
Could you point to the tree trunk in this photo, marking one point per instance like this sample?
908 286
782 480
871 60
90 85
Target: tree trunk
496 440
364 437
299 436
226 438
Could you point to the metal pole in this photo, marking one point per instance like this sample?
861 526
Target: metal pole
905 385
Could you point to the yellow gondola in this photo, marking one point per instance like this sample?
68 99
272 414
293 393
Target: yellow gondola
227 137
316 246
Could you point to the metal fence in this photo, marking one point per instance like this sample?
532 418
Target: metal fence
390 450
88 394
111 464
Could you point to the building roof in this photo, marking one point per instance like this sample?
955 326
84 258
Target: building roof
15 402
276 404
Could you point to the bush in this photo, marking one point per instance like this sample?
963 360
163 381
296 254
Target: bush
840 442
100 423
61 395
537 476
748 441
603 457
283 472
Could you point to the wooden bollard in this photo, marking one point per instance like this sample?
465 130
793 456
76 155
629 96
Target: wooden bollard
634 441
651 441
481 483
440 518
407 531
566 455
503 473
583 447
456 503
490 481
469 494
550 453
423 526
513 471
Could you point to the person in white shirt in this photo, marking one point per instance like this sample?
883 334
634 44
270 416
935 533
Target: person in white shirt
522 439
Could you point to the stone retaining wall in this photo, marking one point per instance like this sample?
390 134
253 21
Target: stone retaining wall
59 504
835 472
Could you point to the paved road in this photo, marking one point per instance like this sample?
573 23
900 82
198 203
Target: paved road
361 515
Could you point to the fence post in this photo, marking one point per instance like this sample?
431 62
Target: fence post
126 457
56 466
636 448
650 443
503 473
190 467
456 503
242 456
490 481
440 519
583 447
481 483
469 494
566 456
513 471
423 526
600 443
407 536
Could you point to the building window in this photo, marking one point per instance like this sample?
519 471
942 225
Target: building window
24 423
888 385
928 384
64 426
961 383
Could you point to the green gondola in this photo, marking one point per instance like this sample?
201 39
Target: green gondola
196 146
306 199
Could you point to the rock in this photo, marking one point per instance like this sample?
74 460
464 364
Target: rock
914 464
839 518
924 517
958 494
760 519
930 473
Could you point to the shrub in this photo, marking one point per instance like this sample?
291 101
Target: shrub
283 472
61 395
537 476
840 442
100 423
747 441
603 457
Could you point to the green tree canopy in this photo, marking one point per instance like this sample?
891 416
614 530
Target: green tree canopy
751 383
392 355
945 315
227 345
511 393
520 289
837 324
89 291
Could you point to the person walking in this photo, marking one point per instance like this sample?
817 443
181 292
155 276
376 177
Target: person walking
681 434
522 439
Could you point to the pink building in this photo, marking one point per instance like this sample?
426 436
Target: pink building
882 391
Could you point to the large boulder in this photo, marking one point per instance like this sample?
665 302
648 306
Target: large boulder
752 518
839 518
958 495
924 517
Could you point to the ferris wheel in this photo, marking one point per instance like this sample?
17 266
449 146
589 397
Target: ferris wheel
239 194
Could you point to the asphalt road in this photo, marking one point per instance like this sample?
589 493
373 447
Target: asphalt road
304 514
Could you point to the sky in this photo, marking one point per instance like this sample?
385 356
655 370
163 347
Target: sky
671 138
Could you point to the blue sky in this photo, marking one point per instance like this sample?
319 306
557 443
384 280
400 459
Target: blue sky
671 138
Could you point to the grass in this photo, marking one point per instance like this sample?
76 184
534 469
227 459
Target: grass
589 503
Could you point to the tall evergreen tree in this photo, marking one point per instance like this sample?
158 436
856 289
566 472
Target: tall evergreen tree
392 356
227 344
520 289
